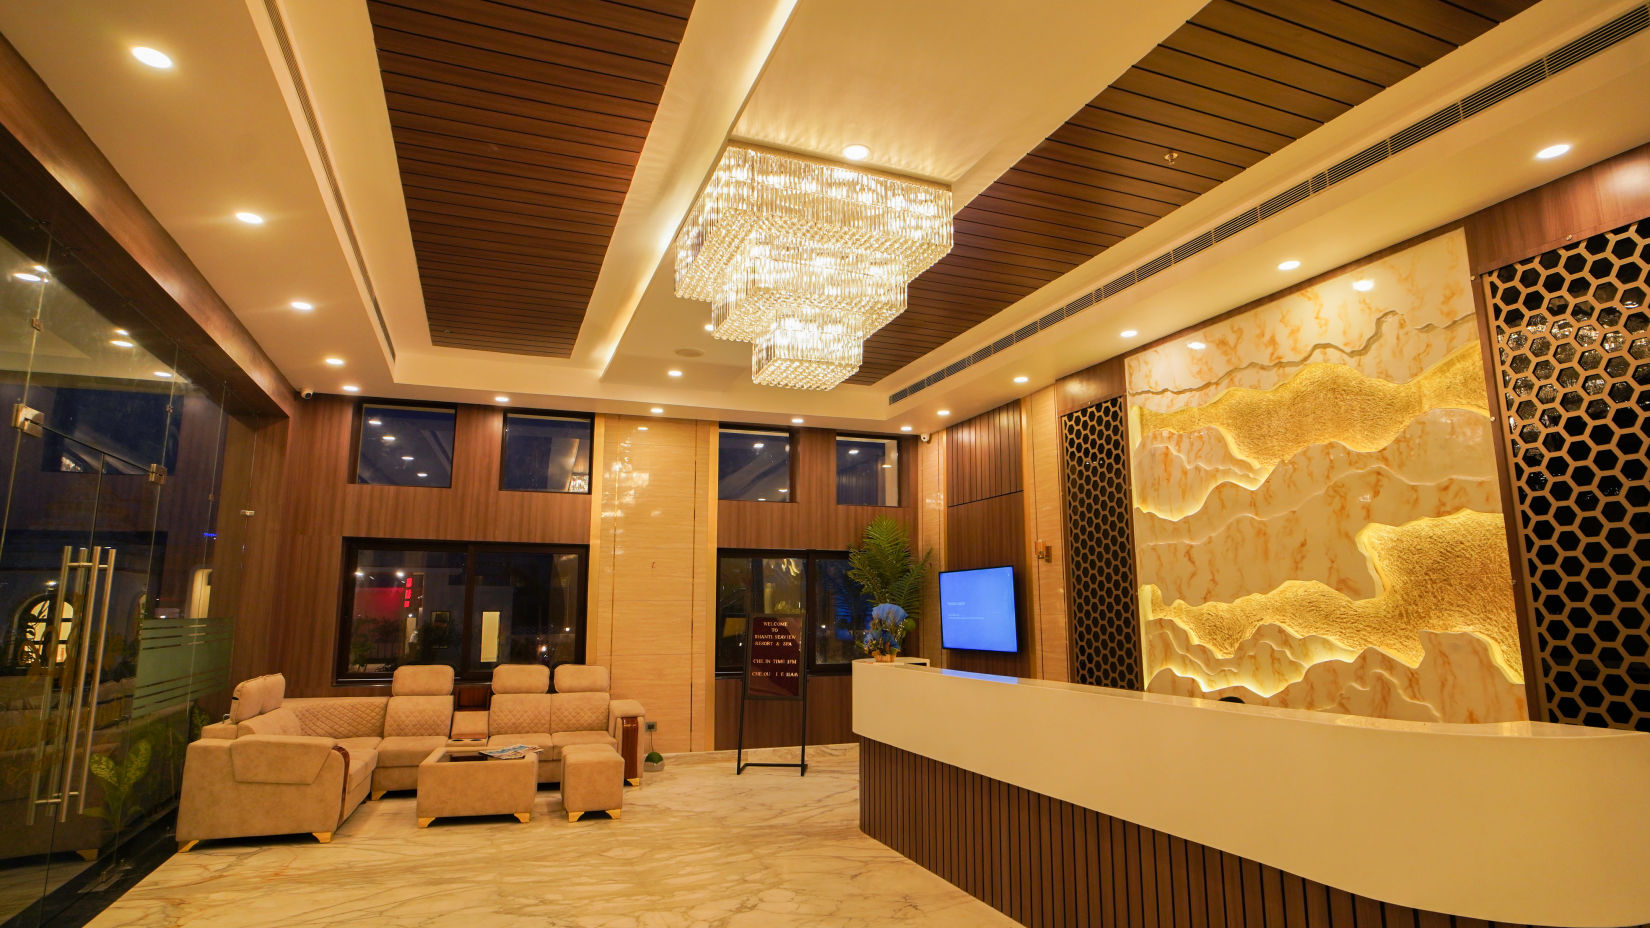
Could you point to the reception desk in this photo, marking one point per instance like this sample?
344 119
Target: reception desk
1067 804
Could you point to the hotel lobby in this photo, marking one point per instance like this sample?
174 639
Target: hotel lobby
744 463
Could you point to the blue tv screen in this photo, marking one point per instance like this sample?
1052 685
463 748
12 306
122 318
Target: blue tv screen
977 610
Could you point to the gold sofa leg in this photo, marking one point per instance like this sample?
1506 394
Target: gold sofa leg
378 794
616 813
325 837
524 817
88 855
634 781
574 816
425 822
187 846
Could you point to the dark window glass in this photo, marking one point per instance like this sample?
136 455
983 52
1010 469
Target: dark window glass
754 465
406 446
467 606
867 471
787 583
547 453
133 428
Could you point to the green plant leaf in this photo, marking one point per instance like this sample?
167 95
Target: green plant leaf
103 767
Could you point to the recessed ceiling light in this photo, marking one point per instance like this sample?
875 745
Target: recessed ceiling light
501 399
389 438
1553 151
152 58
422 474
888 466
761 499
251 219
905 428
709 327
302 305
30 278
853 450
856 152
657 410
120 343
1363 286
796 420
335 362
784 490
406 457
641 428
163 373
945 412
122 332
674 373
1289 265
1022 379
41 268
757 446
351 388
1196 346
1128 333
375 421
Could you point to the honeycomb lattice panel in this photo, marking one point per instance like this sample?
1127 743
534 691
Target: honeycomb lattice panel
1574 361
1101 595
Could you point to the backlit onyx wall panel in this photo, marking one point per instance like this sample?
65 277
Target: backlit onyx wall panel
1573 346
1100 575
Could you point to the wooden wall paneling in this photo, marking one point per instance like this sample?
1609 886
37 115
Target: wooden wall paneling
1594 199
1090 385
983 456
991 533
776 724
50 167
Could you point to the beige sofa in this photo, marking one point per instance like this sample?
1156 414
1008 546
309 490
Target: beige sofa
289 766
580 711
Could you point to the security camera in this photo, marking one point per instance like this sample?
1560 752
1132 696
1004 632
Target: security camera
924 438
306 393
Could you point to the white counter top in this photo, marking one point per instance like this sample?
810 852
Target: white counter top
1515 822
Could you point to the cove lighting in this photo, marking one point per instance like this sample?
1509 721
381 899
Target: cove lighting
1363 286
351 388
1289 265
154 59
120 343
335 362
856 152
302 305
1553 151
251 219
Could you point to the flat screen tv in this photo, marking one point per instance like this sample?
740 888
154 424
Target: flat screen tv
977 610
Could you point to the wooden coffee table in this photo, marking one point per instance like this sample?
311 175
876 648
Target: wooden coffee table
460 781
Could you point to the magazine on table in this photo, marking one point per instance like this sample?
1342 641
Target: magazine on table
511 751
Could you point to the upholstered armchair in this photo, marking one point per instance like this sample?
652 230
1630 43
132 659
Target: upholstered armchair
417 720
523 711
586 703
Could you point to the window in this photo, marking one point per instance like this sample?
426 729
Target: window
867 471
406 446
814 585
754 465
467 606
547 453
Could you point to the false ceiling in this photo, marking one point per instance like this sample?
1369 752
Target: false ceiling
478 196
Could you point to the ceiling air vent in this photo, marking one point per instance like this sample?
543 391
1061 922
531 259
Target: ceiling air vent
1622 27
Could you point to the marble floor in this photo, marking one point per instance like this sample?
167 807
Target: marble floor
697 847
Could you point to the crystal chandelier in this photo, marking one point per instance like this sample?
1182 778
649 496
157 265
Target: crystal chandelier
806 259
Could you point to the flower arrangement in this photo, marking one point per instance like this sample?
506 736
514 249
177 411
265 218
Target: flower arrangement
886 632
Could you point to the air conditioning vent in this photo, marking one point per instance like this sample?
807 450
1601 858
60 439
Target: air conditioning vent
1622 27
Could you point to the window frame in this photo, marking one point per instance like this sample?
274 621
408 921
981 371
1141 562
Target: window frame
899 468
791 439
504 446
360 423
813 593
343 676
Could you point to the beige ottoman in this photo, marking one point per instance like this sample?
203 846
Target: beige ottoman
462 782
592 780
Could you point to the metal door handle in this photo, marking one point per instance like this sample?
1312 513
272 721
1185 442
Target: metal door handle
108 569
85 629
48 657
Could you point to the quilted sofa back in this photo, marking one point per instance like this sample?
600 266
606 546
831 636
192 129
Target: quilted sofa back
421 701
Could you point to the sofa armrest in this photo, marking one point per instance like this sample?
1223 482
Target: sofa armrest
289 759
623 709
216 804
225 730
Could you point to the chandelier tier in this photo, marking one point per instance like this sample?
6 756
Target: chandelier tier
806 259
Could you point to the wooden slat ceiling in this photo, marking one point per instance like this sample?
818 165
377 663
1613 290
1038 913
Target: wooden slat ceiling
517 127
1239 81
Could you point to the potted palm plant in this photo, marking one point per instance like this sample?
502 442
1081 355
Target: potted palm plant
889 576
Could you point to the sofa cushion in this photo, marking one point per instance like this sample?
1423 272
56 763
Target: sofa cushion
582 678
341 716
521 678
566 739
360 744
539 739
418 715
361 764
407 751
282 721
248 700
519 712
422 680
578 712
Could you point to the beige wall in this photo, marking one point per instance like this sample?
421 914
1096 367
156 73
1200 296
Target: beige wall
1045 520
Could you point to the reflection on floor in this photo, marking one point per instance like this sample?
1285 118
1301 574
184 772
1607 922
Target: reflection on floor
697 847
22 883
